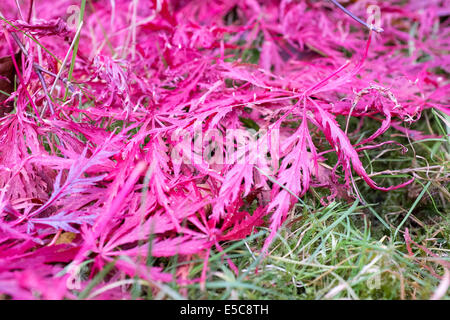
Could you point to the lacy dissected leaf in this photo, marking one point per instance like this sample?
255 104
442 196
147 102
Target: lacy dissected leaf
160 129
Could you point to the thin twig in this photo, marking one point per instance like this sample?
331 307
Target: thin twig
38 72
66 57
44 86
340 6
64 80
30 11
19 9
391 172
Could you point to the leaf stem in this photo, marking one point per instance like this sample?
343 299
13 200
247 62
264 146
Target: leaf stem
38 72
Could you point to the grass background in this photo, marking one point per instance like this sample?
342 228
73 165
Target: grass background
353 250
346 250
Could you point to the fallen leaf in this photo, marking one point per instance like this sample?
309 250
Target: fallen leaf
66 237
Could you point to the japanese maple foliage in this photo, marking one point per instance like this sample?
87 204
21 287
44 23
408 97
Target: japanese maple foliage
122 154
